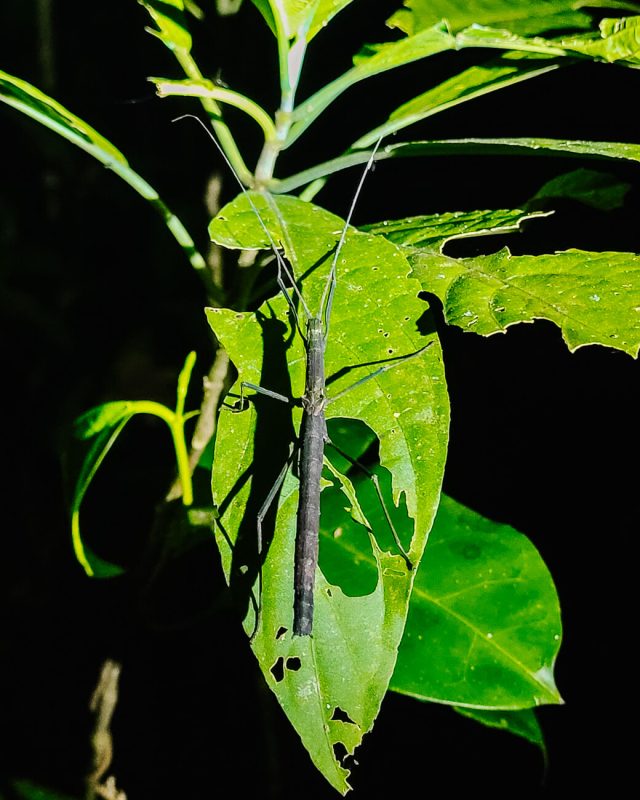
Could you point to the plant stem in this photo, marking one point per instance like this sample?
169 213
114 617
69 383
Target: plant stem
221 129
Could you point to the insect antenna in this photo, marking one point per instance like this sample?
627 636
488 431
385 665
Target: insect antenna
330 287
283 267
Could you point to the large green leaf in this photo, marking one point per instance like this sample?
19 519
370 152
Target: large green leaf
299 17
31 101
594 298
484 623
520 16
330 684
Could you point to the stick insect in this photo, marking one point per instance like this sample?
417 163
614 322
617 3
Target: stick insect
313 436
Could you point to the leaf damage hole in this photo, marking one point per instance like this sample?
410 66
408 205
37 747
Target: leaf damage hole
277 670
281 632
341 754
341 716
293 663
329 593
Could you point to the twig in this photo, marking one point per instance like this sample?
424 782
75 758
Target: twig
103 703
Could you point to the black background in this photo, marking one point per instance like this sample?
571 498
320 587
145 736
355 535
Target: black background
97 303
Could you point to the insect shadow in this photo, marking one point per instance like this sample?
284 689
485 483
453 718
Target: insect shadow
273 442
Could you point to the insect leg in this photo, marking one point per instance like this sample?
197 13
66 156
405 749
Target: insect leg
393 363
262 513
376 485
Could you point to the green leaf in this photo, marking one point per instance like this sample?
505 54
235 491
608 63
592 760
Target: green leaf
523 723
484 623
170 18
594 298
374 60
300 17
618 41
31 101
103 425
433 231
332 683
96 432
506 70
465 147
592 188
519 16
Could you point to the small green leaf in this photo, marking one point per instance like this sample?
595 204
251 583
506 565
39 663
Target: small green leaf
103 425
594 298
619 41
99 428
519 16
170 18
592 188
31 101
523 723
299 17
342 671
484 623
433 231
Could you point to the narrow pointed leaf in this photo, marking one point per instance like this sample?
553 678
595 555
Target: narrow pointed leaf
98 428
330 684
520 16
507 70
31 101
466 147
433 231
484 623
95 433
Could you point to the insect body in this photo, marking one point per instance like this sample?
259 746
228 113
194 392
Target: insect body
313 439
313 435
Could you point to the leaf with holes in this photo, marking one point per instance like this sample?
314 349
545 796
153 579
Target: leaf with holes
594 298
330 684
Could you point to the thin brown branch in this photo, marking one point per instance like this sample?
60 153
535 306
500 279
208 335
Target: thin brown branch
103 703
